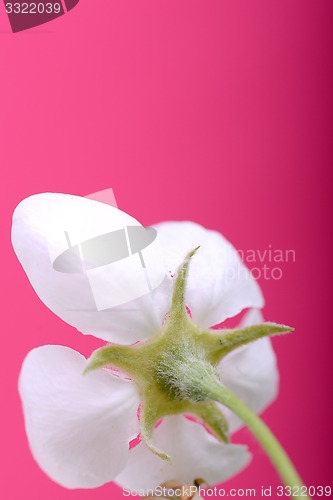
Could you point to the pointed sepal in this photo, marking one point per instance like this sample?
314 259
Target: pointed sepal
148 419
210 414
219 343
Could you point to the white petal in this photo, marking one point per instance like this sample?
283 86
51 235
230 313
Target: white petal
78 426
111 301
219 286
195 454
250 372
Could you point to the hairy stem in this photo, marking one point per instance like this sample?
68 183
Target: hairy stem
266 438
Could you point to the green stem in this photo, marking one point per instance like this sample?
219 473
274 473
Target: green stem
266 438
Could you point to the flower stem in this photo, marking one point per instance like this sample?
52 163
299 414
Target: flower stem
266 438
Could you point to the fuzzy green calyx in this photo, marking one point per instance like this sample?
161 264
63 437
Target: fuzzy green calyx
175 371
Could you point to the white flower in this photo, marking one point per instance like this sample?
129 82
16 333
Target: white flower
79 427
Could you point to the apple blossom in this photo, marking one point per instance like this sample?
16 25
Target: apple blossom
171 365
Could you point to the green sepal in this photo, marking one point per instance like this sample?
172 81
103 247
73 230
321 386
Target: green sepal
210 414
175 370
115 355
148 419
219 343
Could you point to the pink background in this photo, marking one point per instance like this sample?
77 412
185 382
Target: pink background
215 111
